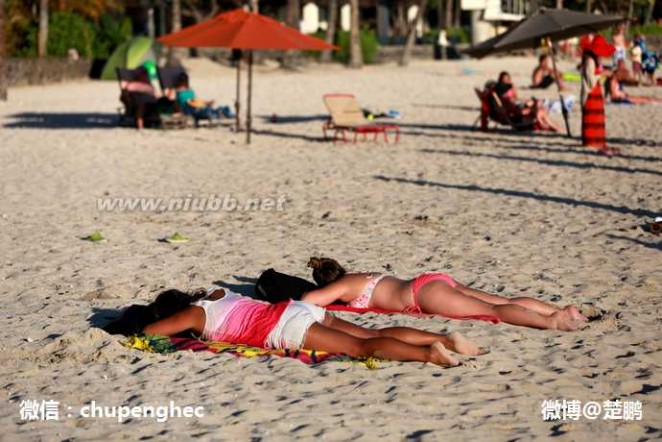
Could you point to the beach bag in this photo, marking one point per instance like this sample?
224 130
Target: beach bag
274 287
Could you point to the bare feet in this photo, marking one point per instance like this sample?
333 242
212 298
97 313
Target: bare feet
575 313
563 320
439 355
464 346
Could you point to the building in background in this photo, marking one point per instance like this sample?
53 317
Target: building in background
491 17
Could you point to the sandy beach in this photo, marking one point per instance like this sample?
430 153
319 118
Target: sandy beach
511 213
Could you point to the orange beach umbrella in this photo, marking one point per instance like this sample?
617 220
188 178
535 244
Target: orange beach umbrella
249 31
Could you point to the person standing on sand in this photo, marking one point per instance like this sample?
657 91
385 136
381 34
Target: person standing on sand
434 293
220 315
594 132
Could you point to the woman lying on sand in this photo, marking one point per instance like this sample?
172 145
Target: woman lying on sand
221 315
434 293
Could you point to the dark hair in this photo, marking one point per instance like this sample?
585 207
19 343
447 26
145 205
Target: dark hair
542 57
591 54
136 317
182 79
326 270
502 75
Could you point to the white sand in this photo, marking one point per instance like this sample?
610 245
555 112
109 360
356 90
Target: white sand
514 213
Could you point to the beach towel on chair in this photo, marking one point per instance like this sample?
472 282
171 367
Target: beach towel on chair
165 344
360 311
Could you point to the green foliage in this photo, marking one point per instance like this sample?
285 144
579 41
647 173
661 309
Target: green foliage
646 30
369 46
112 31
459 35
67 30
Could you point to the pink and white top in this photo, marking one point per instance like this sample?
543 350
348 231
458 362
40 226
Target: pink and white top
238 319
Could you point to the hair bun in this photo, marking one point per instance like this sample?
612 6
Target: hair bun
315 263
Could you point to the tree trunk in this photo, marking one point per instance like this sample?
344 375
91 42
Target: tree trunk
440 14
589 6
3 54
355 54
42 39
649 13
630 11
332 23
559 4
457 13
534 5
175 54
293 19
400 20
255 6
448 17
411 34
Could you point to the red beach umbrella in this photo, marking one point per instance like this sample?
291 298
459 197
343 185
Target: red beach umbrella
248 31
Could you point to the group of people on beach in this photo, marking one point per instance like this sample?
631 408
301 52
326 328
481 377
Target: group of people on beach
597 83
219 314
178 99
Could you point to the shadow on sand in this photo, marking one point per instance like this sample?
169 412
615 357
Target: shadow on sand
547 162
523 194
649 245
52 120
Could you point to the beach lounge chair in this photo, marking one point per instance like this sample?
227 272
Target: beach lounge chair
171 115
492 109
347 116
127 113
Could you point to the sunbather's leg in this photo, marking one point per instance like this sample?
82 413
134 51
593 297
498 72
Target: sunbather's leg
454 341
440 298
532 304
320 337
140 116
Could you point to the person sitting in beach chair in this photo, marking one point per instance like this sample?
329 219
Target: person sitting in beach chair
520 111
347 116
138 96
218 314
544 75
433 293
191 105
492 109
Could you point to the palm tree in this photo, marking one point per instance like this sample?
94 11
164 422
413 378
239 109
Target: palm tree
448 17
176 26
42 40
293 18
332 23
355 54
3 58
411 34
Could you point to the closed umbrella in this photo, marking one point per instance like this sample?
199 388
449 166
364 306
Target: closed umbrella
541 29
247 31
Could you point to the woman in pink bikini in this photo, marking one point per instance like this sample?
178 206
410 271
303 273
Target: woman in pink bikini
434 293
222 315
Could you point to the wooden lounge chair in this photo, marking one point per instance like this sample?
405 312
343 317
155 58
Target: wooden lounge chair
492 109
347 116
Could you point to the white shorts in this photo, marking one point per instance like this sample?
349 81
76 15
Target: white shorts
290 332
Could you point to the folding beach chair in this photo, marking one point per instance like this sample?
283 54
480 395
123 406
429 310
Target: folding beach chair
347 116
169 77
492 109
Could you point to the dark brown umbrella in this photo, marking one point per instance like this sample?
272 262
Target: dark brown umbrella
542 28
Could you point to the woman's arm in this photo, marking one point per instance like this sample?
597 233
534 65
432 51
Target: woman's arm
192 318
326 295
